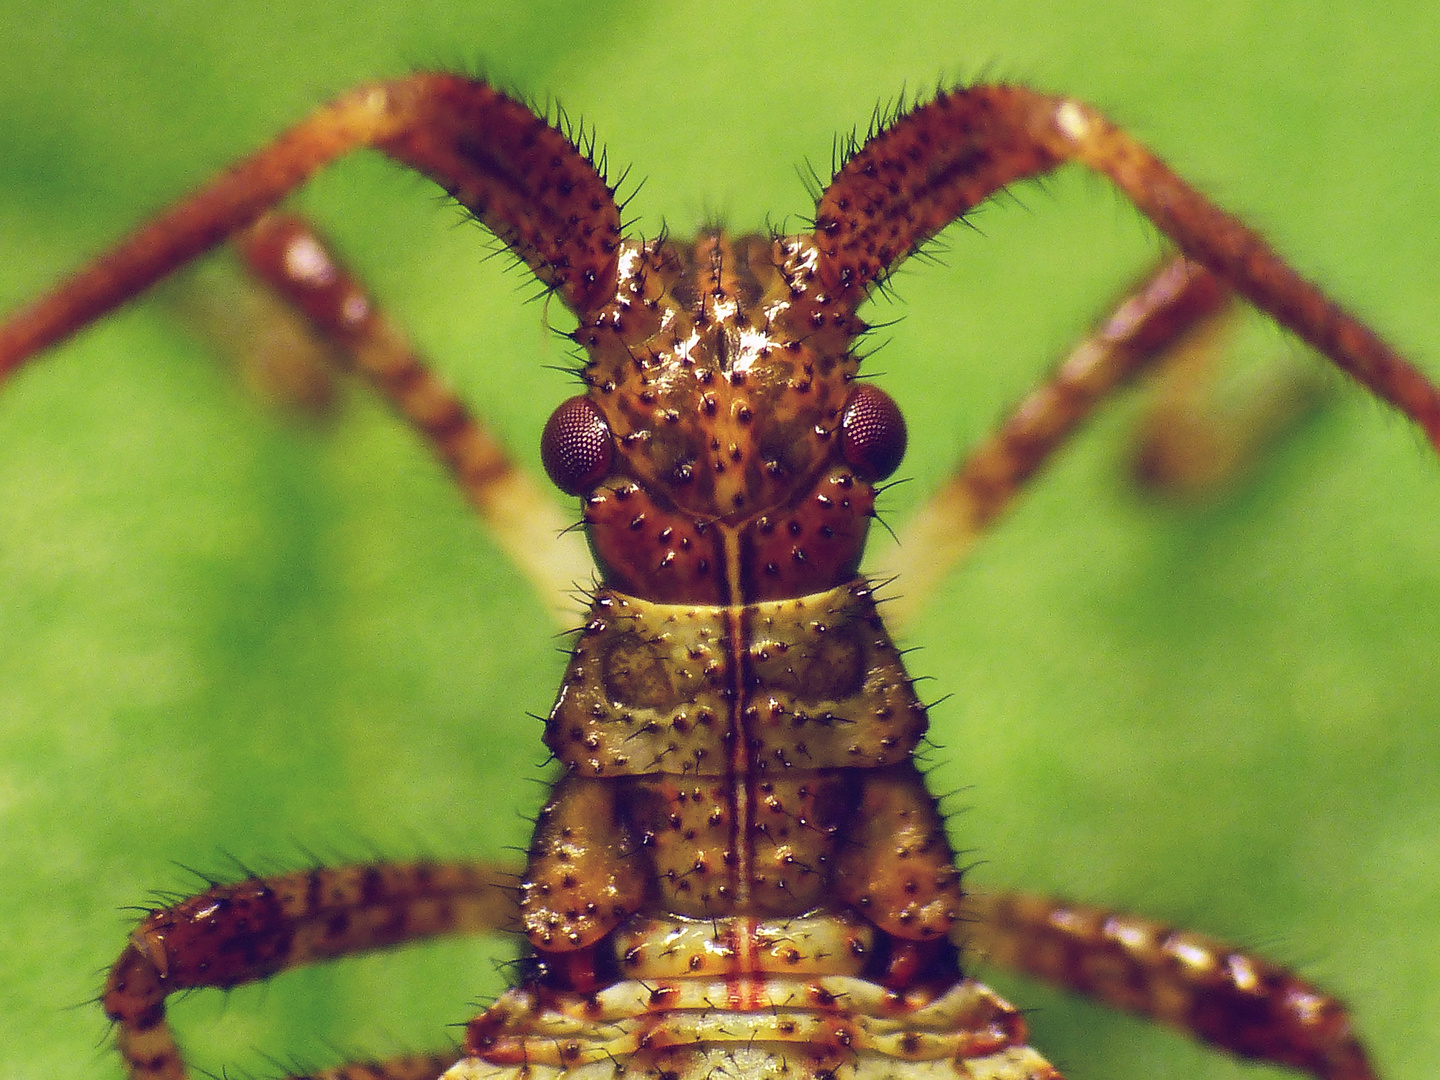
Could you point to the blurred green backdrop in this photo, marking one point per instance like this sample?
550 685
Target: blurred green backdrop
231 633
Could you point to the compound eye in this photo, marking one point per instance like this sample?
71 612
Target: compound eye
576 446
872 432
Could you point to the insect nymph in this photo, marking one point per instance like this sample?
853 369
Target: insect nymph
740 871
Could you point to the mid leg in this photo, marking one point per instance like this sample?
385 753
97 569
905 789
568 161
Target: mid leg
1171 306
298 264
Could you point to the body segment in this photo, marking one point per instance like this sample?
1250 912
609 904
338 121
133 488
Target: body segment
740 869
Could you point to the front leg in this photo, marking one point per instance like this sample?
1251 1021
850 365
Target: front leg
520 176
942 159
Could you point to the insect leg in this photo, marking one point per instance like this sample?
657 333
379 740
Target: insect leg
1223 996
234 934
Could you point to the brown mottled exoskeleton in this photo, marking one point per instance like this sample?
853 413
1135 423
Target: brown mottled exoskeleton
740 870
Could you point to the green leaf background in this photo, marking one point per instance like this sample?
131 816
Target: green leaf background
231 634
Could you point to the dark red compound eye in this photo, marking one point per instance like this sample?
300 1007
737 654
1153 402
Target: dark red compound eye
872 432
576 446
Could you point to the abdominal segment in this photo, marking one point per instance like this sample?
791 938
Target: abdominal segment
750 999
